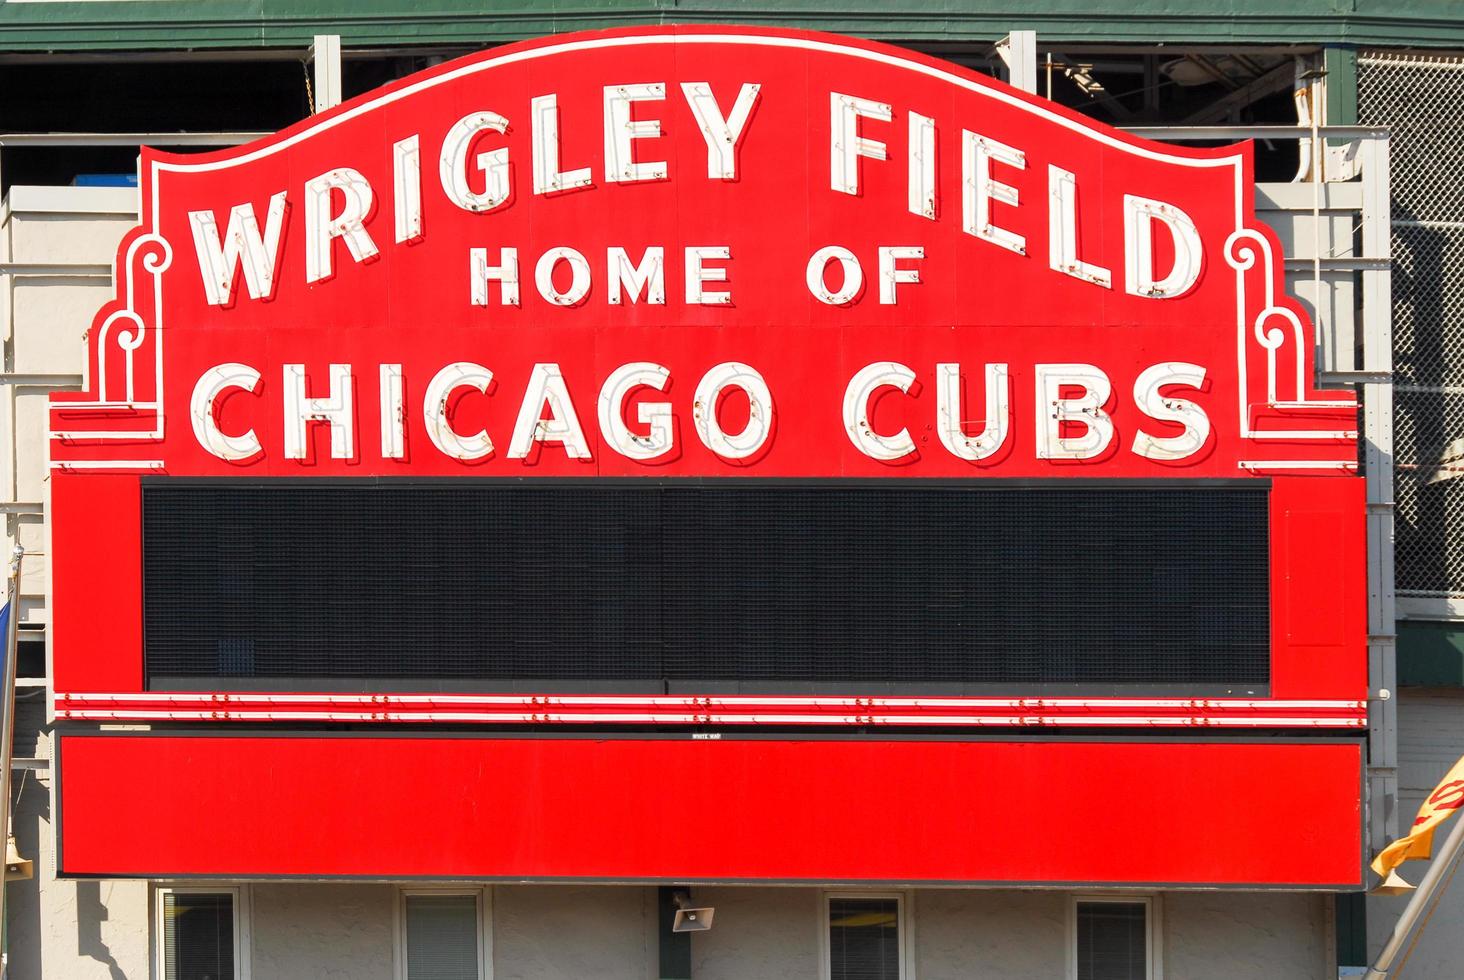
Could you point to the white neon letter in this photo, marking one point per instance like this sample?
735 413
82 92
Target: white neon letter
322 228
453 163
1167 408
460 374
890 274
1062 230
697 274
579 284
406 168
548 178
655 415
948 409
922 166
722 134
334 409
846 145
242 241
506 272
546 384
853 275
759 416
649 277
213 383
621 132
857 396
393 413
979 189
1139 215
1053 411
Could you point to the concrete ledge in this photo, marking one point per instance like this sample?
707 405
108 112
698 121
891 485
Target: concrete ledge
72 200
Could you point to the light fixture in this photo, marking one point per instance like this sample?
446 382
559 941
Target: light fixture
1082 77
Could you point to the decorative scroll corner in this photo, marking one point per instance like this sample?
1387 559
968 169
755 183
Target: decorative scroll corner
122 400
1279 402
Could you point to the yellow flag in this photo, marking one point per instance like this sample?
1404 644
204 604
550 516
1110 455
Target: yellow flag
1441 803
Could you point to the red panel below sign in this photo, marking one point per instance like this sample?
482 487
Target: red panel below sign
644 809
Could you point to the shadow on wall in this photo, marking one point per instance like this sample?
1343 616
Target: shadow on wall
1428 411
90 914
32 812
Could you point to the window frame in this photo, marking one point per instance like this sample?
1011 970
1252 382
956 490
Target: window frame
904 928
243 913
484 898
1153 928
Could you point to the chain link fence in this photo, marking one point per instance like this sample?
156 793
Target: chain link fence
1420 99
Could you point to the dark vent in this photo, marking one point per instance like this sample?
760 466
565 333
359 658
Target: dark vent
722 585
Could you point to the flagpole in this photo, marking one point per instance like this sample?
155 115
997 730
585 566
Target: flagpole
1421 899
7 733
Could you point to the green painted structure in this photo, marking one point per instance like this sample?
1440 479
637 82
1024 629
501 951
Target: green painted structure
1430 654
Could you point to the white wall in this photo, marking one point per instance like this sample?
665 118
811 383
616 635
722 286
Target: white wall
1430 741
603 931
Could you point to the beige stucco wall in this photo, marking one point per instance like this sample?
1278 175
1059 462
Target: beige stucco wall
601 931
1276 935
306 931
758 932
955 929
322 932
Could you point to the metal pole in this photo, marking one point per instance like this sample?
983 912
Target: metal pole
7 728
1442 861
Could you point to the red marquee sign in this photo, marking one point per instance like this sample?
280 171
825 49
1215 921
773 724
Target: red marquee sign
703 252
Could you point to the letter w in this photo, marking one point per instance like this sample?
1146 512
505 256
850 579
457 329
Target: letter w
217 260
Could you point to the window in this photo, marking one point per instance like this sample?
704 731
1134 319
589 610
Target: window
1114 938
442 935
202 934
865 937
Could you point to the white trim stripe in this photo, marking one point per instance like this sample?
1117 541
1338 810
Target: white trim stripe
712 718
107 464
1258 465
1208 704
704 710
